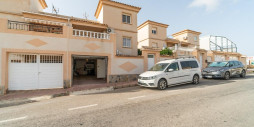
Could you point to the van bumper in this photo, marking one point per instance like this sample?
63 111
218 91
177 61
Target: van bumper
147 83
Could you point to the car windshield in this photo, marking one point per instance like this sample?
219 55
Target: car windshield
159 67
218 64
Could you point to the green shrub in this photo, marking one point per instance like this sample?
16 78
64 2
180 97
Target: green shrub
139 52
166 51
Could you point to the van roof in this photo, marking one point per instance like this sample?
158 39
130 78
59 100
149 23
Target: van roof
173 60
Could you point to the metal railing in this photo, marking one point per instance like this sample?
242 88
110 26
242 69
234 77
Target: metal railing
34 27
91 34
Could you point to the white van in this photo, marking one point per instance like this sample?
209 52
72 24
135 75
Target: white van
171 73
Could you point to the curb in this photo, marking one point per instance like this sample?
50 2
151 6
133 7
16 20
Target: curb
92 91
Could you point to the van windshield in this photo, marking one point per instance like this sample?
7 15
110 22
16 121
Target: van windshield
159 67
218 64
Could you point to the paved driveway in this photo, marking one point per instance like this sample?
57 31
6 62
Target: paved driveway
212 103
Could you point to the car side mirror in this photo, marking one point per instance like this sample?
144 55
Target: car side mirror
170 70
231 65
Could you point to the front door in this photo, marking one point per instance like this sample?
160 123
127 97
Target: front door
233 69
101 68
150 61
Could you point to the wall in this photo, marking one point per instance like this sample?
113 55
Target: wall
17 6
147 38
143 33
119 43
190 38
127 65
204 43
161 32
112 16
143 43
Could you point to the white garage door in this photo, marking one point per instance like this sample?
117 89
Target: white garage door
219 58
33 71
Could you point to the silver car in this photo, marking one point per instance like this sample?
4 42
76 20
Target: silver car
224 69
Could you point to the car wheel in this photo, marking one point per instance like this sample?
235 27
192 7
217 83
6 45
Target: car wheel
162 84
227 76
243 74
195 79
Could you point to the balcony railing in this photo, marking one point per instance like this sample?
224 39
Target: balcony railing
90 34
34 27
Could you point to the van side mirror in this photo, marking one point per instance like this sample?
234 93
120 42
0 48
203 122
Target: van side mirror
170 70
231 65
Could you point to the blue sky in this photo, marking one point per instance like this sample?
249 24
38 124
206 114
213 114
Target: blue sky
233 19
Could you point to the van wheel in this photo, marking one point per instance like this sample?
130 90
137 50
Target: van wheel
227 76
162 84
195 80
243 74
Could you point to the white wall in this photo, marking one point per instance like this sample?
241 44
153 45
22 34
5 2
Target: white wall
204 42
116 70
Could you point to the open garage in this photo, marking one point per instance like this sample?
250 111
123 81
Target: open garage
89 69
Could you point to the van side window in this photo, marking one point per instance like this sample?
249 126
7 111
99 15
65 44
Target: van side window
189 64
193 64
174 66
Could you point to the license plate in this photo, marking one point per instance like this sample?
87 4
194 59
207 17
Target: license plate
140 81
209 76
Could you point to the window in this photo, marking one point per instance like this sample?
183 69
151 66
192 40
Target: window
230 64
154 30
126 19
236 63
195 38
218 64
127 42
189 64
173 66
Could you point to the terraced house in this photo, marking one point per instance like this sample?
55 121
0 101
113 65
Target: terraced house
41 50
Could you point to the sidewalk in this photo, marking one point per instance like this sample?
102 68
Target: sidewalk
22 97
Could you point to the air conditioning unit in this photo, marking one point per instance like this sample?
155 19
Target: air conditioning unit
110 30
185 38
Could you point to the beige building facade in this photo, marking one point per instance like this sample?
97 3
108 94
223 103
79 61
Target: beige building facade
41 50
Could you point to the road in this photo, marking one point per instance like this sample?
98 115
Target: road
212 103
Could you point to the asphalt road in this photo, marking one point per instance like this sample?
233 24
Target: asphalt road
212 103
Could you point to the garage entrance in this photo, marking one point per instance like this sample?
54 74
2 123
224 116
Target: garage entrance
35 71
89 70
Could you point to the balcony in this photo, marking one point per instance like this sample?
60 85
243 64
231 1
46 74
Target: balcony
34 27
90 34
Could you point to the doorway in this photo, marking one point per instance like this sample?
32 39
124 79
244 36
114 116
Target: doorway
89 70
150 61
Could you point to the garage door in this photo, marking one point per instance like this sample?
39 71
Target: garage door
35 71
219 58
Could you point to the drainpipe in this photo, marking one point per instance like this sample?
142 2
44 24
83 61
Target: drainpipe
68 41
